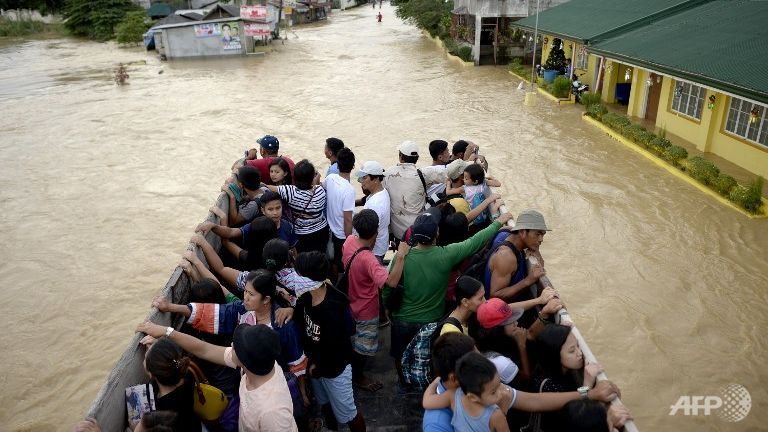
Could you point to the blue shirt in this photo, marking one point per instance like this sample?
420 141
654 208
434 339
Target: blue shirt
285 232
438 420
333 169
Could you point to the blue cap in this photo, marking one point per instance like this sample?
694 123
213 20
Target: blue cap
269 142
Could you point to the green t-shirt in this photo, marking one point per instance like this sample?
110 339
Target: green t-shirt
426 274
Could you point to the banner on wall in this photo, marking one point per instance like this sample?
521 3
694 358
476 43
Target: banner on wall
207 30
253 12
256 29
230 36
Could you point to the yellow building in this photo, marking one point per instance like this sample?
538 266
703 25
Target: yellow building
707 87
581 23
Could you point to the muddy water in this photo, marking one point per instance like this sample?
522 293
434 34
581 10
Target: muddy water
100 187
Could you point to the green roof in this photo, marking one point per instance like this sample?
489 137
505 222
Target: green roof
160 10
721 44
586 20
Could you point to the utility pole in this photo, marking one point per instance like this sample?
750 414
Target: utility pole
279 18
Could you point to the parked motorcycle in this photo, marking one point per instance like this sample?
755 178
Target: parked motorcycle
577 88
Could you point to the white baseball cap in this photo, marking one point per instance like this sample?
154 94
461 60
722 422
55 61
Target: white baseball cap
409 148
506 368
370 168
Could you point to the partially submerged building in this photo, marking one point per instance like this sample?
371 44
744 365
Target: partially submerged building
224 30
486 25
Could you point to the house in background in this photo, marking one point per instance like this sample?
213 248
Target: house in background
580 23
701 75
485 24
224 30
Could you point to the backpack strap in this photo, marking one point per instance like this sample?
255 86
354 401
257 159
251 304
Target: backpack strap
427 198
349 264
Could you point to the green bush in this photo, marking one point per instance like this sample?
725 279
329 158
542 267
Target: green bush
658 145
132 28
616 122
450 45
674 154
561 87
465 53
703 170
724 184
22 27
540 82
645 137
749 197
634 131
597 111
588 99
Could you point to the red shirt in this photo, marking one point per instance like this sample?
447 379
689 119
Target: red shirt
366 277
263 166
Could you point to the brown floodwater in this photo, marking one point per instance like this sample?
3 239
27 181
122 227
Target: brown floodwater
101 187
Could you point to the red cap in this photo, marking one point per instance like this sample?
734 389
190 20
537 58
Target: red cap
497 312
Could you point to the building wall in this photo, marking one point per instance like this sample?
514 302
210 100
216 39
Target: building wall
750 156
695 131
181 42
495 8
707 134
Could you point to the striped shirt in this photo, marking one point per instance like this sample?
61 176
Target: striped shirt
307 208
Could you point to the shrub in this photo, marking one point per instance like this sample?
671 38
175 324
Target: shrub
645 137
749 197
540 82
633 132
21 27
658 144
703 170
674 154
596 111
588 99
723 184
450 45
132 28
561 87
465 53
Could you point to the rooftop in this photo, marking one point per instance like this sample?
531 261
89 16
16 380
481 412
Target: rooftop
720 44
585 20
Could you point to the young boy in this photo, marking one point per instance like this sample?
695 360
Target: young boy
272 207
322 317
480 402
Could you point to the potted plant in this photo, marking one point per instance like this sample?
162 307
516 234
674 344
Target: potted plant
555 64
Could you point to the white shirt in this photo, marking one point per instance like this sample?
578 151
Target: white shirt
379 202
341 198
406 193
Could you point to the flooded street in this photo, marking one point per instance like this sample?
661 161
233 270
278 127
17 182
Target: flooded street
101 187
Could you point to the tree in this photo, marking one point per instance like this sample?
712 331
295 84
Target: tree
132 28
426 14
556 59
96 19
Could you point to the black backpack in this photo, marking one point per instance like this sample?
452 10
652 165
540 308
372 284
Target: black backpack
342 284
476 267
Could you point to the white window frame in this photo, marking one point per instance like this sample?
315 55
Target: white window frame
682 103
737 117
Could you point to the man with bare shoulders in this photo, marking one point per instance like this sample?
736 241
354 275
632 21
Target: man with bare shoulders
506 273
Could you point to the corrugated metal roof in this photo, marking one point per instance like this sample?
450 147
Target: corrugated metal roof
722 44
584 20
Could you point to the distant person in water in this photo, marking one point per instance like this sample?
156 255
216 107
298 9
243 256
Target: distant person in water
378 17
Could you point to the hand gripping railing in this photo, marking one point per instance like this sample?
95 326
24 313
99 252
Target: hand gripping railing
565 317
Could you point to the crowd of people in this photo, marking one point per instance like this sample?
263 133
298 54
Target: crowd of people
285 317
